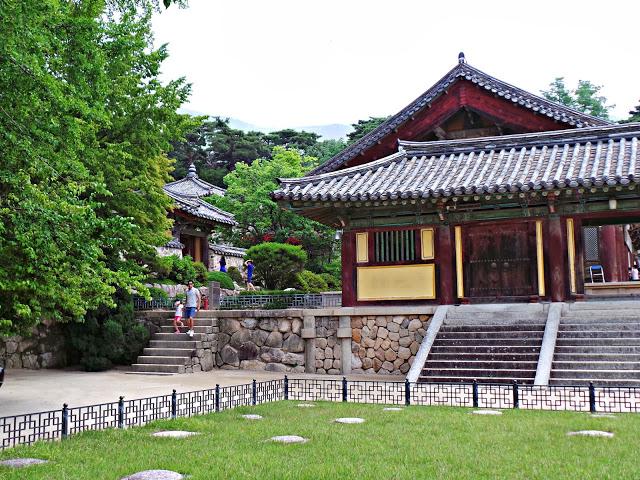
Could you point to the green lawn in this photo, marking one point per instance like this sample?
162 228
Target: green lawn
418 442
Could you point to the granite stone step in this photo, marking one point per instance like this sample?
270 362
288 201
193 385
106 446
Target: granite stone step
599 334
481 335
616 326
595 375
177 337
163 360
597 357
487 349
197 322
479 372
601 382
492 328
154 368
467 379
174 344
604 349
196 329
594 365
600 341
470 342
463 364
466 355
169 352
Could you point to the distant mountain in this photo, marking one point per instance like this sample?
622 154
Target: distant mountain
327 132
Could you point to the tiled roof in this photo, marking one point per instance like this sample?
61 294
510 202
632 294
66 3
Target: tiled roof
173 243
192 186
594 156
227 250
202 209
463 70
187 193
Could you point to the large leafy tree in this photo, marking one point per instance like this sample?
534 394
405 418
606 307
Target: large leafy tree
84 124
261 219
634 115
585 97
362 127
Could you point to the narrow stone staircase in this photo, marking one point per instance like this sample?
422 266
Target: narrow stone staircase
598 342
487 343
169 353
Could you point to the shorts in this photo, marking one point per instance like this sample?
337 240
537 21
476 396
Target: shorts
189 312
177 318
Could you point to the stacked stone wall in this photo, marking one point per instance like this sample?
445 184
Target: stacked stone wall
386 344
327 348
261 343
44 348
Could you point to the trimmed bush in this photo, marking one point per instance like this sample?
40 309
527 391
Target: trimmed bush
310 282
235 275
277 264
201 272
333 283
158 293
224 279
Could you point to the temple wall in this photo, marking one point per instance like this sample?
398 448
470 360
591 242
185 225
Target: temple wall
44 348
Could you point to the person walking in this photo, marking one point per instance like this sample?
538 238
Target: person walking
192 305
223 264
249 265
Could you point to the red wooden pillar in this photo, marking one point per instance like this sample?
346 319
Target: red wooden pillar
610 253
348 272
556 248
623 255
444 254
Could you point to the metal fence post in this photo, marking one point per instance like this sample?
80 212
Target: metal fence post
217 397
475 394
286 387
174 404
592 398
344 389
254 392
121 412
516 395
407 393
65 421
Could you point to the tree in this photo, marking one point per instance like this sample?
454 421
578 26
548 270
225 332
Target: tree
277 264
84 125
584 97
325 149
362 127
260 219
634 115
292 139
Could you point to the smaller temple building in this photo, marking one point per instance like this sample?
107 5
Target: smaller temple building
194 219
234 256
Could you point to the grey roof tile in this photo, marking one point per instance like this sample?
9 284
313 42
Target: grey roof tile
593 156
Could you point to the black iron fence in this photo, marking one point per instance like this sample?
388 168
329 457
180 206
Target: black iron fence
59 424
141 303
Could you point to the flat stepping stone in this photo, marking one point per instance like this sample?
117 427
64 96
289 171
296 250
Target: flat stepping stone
591 433
305 405
603 415
486 412
155 475
252 417
392 409
289 439
349 420
174 434
22 462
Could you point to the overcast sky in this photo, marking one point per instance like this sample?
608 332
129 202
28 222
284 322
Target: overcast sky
282 63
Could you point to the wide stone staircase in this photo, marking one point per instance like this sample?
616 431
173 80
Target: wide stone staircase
487 343
598 342
169 353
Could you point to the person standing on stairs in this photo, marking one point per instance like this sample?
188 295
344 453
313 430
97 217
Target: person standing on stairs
192 306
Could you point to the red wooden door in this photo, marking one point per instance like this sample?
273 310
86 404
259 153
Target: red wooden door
500 261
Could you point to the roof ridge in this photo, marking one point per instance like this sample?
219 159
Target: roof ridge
535 103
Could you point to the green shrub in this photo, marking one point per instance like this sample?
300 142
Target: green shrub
223 278
310 282
235 275
277 264
108 336
158 293
163 266
333 283
183 270
201 272
333 268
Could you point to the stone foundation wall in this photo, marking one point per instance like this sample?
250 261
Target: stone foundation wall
260 342
45 348
328 352
386 344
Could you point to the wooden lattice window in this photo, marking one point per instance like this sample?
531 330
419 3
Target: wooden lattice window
591 244
395 246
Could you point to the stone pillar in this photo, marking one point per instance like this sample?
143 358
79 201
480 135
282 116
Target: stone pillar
309 336
214 295
344 336
555 247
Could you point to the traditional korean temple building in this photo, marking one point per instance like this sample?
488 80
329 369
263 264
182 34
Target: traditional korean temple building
476 192
194 219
